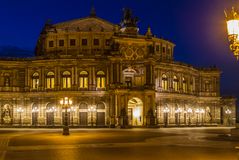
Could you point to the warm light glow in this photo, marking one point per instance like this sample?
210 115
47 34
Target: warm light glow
166 110
92 109
35 109
179 110
228 111
20 110
189 110
136 113
197 110
233 27
202 111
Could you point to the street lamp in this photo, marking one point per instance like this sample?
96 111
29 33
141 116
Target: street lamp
178 112
35 111
20 111
228 113
65 103
72 110
92 109
197 111
166 111
233 31
189 111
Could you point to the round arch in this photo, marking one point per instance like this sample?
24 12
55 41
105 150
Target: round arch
135 111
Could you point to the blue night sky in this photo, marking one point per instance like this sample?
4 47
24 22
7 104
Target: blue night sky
197 27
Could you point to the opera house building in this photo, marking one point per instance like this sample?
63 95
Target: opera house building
114 77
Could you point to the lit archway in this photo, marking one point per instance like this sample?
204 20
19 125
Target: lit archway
135 112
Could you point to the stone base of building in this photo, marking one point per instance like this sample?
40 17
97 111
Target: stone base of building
235 132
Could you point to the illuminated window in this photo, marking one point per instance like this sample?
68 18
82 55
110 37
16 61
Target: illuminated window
61 43
50 80
72 42
83 79
66 79
35 80
100 79
175 83
184 85
164 82
51 43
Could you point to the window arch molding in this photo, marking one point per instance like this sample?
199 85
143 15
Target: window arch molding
184 84
84 79
35 80
100 79
50 80
164 82
66 79
175 83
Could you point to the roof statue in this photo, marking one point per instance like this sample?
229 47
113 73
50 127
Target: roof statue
128 19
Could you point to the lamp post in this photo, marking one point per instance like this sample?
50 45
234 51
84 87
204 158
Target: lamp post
189 111
232 19
72 113
35 110
20 111
178 112
228 113
92 109
166 111
65 103
197 111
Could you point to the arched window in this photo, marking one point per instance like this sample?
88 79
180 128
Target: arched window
175 83
50 80
83 106
184 85
66 79
83 79
100 79
6 80
164 82
100 106
207 86
191 85
35 80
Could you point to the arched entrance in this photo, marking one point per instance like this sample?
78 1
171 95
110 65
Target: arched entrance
83 114
50 112
35 111
100 114
135 112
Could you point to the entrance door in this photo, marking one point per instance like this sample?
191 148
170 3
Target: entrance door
34 118
135 112
83 119
100 118
50 118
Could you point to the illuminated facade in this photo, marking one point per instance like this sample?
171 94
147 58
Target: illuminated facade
114 77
